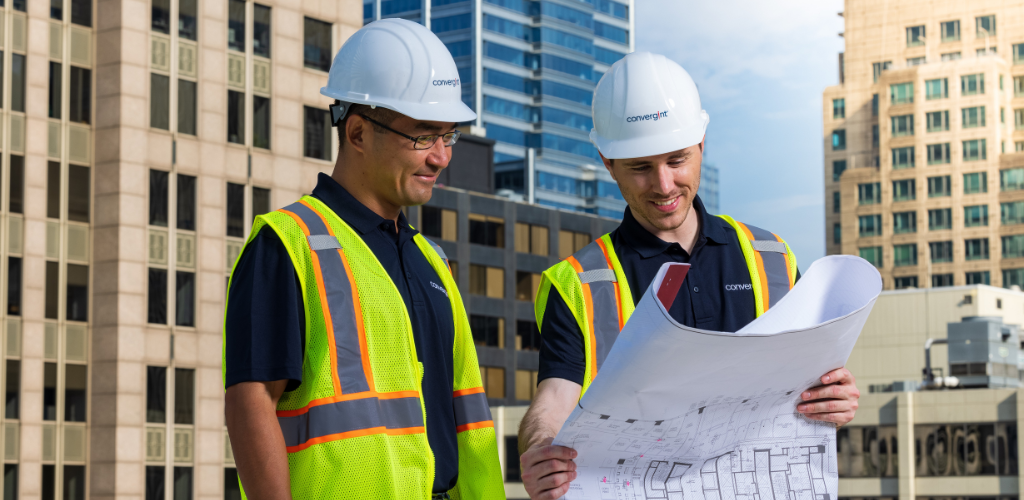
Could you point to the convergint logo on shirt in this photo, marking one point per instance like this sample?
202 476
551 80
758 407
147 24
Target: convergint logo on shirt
439 287
643 118
733 288
446 83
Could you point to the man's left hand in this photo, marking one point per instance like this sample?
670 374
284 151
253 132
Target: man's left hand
834 401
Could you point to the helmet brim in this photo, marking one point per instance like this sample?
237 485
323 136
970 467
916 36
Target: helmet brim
639 147
456 112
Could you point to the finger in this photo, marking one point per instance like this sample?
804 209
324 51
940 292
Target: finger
838 418
837 376
556 480
834 391
539 454
554 493
827 406
552 466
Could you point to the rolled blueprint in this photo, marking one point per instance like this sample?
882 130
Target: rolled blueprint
676 412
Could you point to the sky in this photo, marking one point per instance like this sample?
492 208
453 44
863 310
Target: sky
760 68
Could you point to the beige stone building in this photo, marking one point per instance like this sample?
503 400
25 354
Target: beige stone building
924 142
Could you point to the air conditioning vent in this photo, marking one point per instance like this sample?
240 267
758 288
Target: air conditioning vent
158 246
236 71
18 31
186 251
49 442
15 223
53 140
56 47
160 54
81 46
18 133
14 337
183 445
79 144
232 249
74 443
261 76
52 240
186 58
155 442
50 340
75 342
78 243
11 438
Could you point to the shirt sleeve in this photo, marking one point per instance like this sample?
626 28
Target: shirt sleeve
264 326
561 348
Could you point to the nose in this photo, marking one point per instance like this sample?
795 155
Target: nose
438 155
664 180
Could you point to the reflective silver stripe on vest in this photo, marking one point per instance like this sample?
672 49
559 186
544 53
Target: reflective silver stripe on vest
471 409
597 275
774 263
352 415
437 248
323 242
339 292
602 294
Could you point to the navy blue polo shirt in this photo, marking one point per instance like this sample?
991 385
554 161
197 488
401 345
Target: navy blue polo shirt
704 301
265 320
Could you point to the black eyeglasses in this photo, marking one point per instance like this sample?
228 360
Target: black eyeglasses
423 141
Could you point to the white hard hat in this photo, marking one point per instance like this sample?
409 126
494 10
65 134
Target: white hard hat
646 105
399 65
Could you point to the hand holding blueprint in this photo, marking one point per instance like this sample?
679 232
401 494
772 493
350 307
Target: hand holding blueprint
677 412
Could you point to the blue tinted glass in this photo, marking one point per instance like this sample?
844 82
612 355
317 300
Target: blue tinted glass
506 27
567 14
611 214
461 48
568 66
505 134
450 23
567 119
609 190
502 158
445 2
557 183
388 7
507 108
465 75
567 92
567 145
564 39
606 56
555 204
503 53
368 10
516 5
611 32
611 8
505 80
597 76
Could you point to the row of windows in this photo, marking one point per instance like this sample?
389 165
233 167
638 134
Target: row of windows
527 7
942 251
489 231
535 87
938 121
536 61
1011 213
870 193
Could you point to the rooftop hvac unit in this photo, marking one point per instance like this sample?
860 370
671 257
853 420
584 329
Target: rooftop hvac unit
984 352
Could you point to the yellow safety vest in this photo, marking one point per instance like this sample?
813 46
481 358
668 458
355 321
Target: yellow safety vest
356 427
593 285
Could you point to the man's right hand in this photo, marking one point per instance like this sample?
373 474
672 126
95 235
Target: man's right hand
547 470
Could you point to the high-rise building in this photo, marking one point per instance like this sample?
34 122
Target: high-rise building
923 140
528 68
708 190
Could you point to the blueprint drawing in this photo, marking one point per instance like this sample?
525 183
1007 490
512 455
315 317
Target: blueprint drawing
679 413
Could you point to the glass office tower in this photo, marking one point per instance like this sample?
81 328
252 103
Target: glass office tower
528 68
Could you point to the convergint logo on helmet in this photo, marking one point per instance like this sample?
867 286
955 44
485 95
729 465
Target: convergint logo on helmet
446 83
643 118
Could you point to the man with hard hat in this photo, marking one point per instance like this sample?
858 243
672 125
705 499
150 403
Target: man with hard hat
649 128
349 365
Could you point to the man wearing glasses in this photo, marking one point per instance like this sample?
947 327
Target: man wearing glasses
349 365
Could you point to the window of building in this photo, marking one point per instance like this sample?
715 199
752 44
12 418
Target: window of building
159 101
487 330
837 233
161 16
156 309
18 82
902 125
949 31
977 278
317 45
902 158
973 117
915 36
78 193
869 193
494 381
54 89
184 396
52 284
57 9
186 202
972 84
1013 246
1011 179
975 150
156 394
874 104
316 134
158 181
53 190
936 89
874 135
901 93
487 230
872 255
939 186
182 483
487 281
16 202
50 391
236 210
903 190
877 69
940 218
869 225
77 299
187 15
73 481
14 286
941 280
836 202
570 242
439 223
186 107
916 61
1018 119
236 117
904 222
838 167
982 52
527 336
260 201
526 285
1018 146
941 251
531 238
236 25
985 26
976 216
902 282
937 121
260 122
526 384
838 140
1018 86
232 490
261 30
75 377
838 108
951 56
976 249
904 255
12 390
976 182
155 482
938 153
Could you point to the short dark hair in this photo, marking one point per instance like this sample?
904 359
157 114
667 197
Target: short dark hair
383 115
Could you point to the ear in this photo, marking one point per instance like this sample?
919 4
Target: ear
702 144
608 165
357 130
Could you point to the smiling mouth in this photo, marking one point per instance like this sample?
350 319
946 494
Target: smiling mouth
665 203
